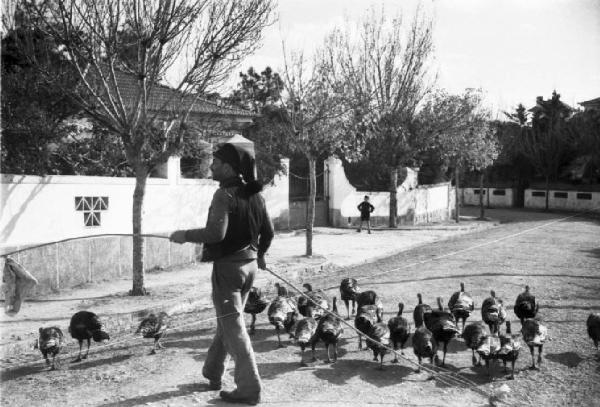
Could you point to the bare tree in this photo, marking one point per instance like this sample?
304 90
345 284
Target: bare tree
386 73
315 116
110 41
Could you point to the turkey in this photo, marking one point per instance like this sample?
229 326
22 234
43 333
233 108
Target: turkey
534 335
399 331
461 305
365 319
493 312
306 335
282 313
423 345
312 303
86 325
255 304
442 325
593 328
525 305
379 342
509 350
329 330
348 292
50 342
475 334
154 326
420 311
488 351
370 298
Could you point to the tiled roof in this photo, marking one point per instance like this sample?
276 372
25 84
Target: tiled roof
162 97
590 102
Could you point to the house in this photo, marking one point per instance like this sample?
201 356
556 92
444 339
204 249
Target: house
212 118
542 106
593 104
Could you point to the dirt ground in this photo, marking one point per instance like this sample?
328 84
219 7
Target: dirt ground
559 258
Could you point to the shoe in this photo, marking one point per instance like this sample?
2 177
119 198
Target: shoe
214 385
233 397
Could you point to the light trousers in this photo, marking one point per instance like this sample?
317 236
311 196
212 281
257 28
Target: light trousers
231 282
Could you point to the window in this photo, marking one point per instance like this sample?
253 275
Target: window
584 195
561 194
476 191
92 207
538 193
499 192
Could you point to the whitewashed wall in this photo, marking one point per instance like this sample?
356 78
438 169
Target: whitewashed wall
494 197
566 200
42 209
416 204
433 203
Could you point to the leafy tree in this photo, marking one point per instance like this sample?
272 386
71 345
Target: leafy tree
101 38
262 93
257 91
385 70
544 141
460 133
519 116
34 111
586 136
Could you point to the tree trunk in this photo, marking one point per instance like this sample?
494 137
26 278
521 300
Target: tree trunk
547 191
481 210
141 175
393 198
312 193
456 200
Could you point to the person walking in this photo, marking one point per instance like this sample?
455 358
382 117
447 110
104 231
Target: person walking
237 235
365 209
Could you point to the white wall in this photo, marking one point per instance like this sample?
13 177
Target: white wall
491 197
416 204
573 200
42 209
433 203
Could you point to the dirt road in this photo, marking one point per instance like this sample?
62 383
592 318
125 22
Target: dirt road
559 259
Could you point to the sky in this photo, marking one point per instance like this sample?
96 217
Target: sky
514 50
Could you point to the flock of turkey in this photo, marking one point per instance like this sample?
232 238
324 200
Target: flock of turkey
86 325
308 319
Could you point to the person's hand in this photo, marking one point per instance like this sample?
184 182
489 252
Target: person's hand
262 264
178 236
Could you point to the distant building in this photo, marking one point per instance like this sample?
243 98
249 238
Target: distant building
214 118
593 104
542 106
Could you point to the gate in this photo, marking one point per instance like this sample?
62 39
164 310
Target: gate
299 189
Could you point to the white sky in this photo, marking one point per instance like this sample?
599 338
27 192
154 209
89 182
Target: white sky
514 50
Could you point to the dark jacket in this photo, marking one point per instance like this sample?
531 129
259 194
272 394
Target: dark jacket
365 208
238 226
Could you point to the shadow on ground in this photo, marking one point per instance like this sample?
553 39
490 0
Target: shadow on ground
569 359
592 252
182 390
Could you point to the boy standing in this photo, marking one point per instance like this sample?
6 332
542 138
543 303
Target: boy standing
365 209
